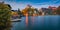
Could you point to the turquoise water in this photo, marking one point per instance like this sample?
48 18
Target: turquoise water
38 23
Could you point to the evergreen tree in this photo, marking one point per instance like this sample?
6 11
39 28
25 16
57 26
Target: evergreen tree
19 13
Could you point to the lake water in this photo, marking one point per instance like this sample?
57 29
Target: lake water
37 23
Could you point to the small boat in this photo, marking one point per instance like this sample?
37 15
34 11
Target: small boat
15 20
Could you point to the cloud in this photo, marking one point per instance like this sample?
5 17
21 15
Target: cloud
1 0
40 6
16 5
49 2
54 1
22 4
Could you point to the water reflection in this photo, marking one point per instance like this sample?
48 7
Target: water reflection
38 23
32 18
26 19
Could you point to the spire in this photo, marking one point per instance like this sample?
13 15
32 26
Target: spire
18 9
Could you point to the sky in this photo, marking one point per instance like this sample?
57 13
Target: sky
21 4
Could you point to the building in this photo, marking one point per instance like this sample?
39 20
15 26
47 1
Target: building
46 11
53 10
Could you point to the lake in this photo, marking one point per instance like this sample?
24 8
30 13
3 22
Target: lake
38 23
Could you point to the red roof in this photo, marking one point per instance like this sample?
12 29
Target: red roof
53 8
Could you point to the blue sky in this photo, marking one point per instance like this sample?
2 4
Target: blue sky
15 4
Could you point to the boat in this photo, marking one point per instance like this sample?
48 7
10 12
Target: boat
15 20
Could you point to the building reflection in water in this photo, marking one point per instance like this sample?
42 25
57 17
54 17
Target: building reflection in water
26 19
29 21
33 19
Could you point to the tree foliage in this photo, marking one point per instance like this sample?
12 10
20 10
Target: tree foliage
4 15
58 10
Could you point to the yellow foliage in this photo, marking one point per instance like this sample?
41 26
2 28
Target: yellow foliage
14 13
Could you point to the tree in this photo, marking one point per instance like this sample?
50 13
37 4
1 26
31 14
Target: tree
27 10
30 11
37 12
19 13
5 15
58 10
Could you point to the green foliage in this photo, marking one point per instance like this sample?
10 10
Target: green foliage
5 15
58 10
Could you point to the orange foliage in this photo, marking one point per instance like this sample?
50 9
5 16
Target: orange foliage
24 11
